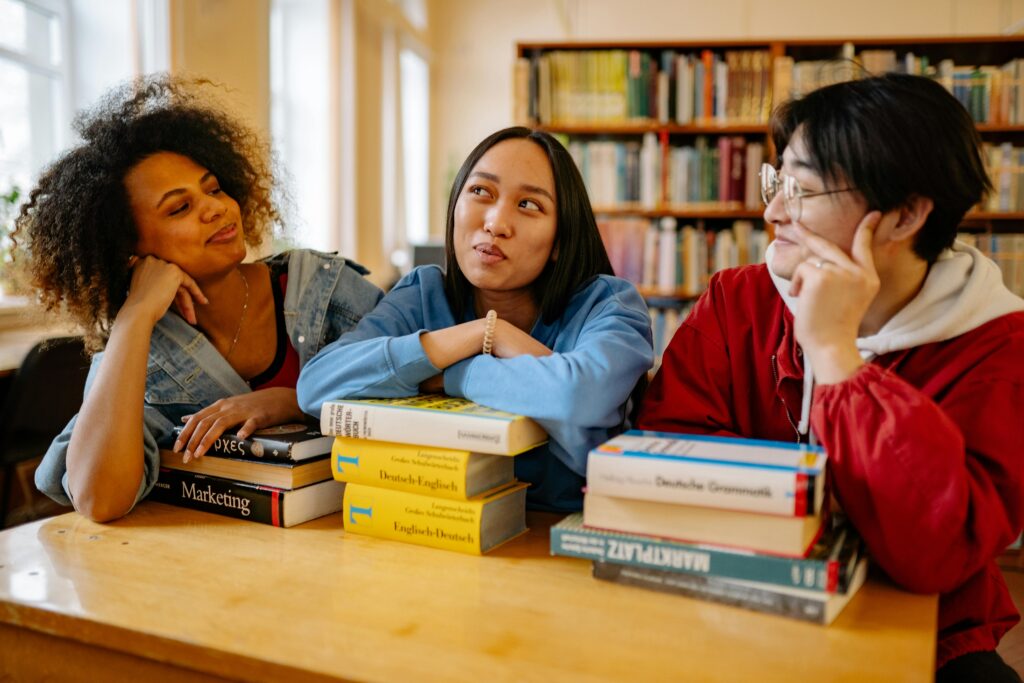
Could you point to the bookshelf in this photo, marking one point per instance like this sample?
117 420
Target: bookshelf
670 135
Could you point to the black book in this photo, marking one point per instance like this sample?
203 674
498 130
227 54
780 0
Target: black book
796 603
293 441
263 504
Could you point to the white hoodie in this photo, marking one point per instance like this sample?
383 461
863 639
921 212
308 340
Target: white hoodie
963 290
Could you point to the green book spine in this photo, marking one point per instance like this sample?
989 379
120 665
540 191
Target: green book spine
828 574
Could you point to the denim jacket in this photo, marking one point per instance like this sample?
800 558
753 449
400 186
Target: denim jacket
326 296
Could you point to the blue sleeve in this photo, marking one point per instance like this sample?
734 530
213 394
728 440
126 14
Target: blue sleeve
381 358
579 395
52 474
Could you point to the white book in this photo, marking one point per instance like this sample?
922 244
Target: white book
432 420
667 255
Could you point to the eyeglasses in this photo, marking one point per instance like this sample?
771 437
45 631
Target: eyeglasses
792 194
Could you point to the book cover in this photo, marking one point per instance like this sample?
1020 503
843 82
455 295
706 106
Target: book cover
293 441
795 603
468 526
263 504
734 474
282 474
827 568
440 472
772 534
432 420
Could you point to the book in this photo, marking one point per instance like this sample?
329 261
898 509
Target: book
294 441
773 534
796 603
440 472
433 420
263 504
469 526
827 568
276 473
735 474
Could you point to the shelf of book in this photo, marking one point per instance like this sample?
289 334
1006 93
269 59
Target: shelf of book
670 135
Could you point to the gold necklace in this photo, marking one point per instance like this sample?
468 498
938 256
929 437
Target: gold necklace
241 319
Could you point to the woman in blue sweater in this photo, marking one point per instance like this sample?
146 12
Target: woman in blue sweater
525 318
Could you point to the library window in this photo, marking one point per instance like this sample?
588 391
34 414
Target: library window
415 79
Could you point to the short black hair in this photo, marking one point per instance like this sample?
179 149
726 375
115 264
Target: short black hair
893 137
581 253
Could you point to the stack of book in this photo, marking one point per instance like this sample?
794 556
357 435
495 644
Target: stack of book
730 520
279 475
431 470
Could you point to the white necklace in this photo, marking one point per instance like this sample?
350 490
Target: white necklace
241 319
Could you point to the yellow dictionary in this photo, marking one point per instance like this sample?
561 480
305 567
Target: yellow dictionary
467 526
440 472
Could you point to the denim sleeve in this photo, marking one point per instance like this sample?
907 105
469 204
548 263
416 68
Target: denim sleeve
51 476
578 396
381 358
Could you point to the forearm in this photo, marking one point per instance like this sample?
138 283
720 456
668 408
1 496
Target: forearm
446 347
105 460
933 504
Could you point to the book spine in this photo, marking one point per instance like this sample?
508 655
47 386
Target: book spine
703 483
437 428
230 446
715 590
412 518
220 496
653 553
432 472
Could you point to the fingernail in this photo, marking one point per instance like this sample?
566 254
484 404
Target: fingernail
177 446
184 418
185 458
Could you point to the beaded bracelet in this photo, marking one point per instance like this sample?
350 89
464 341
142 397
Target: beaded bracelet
489 323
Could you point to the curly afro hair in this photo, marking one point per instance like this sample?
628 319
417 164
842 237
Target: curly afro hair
76 233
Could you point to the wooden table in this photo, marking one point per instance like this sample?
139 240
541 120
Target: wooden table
171 594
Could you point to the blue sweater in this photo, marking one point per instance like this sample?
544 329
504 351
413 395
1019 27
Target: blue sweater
602 346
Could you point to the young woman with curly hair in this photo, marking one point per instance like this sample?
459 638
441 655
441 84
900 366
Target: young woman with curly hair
140 233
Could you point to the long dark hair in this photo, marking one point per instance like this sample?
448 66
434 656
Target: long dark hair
581 253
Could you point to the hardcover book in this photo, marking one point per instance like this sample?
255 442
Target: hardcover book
736 474
776 535
796 603
263 504
433 420
282 474
469 526
441 472
827 568
295 441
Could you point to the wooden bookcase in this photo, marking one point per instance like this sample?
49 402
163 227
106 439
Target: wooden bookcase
589 100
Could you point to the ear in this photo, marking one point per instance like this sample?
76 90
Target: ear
911 217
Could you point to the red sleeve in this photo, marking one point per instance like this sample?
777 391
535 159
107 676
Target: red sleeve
933 486
692 390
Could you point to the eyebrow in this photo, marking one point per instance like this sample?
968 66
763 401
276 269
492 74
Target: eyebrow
529 188
180 190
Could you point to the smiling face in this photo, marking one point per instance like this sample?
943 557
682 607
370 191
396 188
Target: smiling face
832 216
183 216
505 217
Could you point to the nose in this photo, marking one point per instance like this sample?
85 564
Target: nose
498 221
775 211
213 207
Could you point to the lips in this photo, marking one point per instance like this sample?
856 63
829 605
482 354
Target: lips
225 234
489 253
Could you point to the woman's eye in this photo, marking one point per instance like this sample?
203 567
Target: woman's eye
215 190
180 209
530 204
480 191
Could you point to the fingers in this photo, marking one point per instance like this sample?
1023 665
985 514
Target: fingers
863 239
817 247
192 288
206 434
248 427
183 301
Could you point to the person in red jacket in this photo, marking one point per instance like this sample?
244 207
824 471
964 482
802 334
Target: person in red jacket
873 331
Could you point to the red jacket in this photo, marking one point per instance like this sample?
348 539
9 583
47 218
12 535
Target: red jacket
925 445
